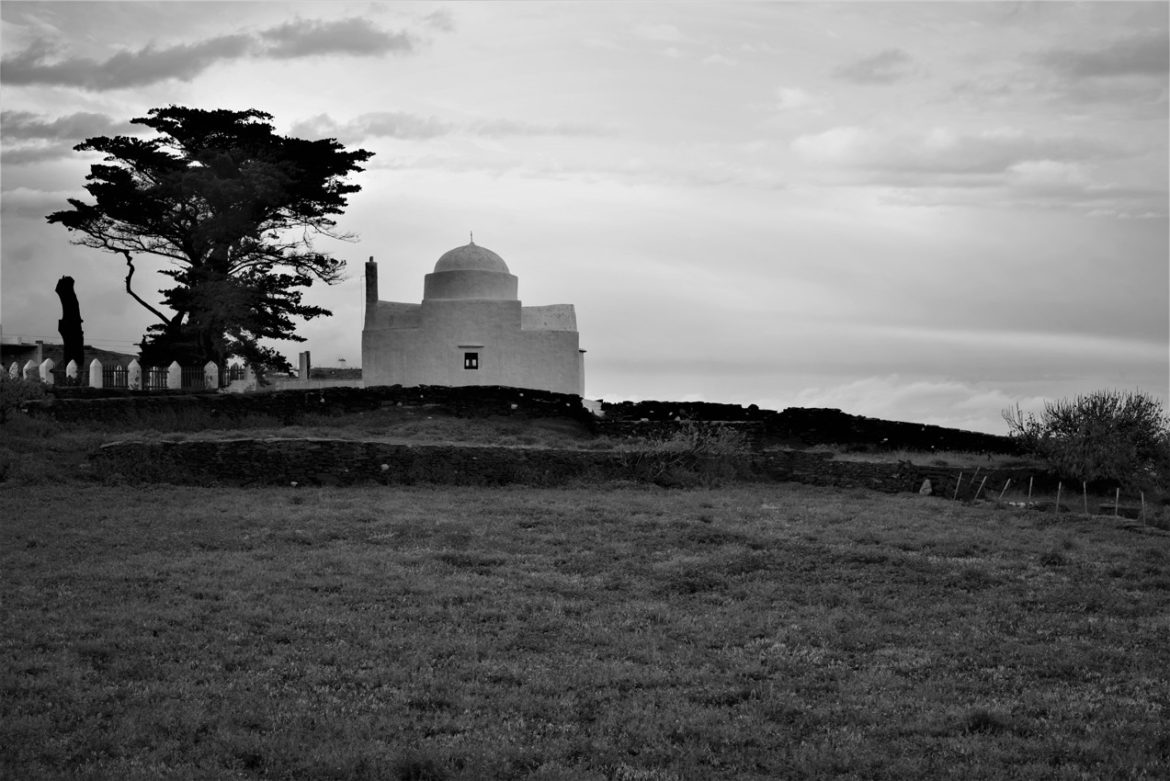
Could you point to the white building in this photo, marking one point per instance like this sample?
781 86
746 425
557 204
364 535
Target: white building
470 329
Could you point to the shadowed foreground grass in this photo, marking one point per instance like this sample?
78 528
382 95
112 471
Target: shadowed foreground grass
624 633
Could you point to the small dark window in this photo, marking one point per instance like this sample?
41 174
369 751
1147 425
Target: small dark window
470 360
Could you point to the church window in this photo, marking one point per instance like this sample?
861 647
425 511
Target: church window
470 360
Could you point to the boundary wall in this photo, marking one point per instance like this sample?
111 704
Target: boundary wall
289 406
317 461
793 427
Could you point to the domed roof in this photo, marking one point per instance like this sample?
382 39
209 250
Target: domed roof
471 258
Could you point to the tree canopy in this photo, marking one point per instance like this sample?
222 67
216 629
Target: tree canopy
234 208
1104 435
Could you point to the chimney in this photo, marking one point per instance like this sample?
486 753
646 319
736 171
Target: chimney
371 289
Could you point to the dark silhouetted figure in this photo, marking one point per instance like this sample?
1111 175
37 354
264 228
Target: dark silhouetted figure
70 324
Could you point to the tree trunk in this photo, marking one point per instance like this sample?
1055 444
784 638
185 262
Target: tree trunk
70 324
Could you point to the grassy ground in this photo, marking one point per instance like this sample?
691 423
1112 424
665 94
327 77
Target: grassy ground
611 633
42 451
45 452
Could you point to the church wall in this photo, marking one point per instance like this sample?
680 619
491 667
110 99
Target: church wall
434 353
392 314
469 330
553 317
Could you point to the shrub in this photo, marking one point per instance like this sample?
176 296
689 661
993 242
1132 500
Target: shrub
690 454
16 391
1106 435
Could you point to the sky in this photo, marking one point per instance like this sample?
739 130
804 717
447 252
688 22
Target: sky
928 212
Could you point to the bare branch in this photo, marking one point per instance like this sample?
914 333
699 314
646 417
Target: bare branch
135 296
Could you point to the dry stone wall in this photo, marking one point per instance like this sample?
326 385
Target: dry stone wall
306 462
793 427
291 405
803 427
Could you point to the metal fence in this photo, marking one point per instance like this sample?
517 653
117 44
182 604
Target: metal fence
154 378
113 377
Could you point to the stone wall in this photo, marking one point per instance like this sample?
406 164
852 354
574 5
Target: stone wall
344 462
306 462
805 426
793 427
290 405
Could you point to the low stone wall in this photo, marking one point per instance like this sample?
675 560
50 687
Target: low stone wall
288 406
819 468
347 462
803 426
344 462
793 427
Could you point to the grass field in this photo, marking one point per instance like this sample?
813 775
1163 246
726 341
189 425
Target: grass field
608 633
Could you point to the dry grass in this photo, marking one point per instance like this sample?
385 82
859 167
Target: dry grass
947 458
615 633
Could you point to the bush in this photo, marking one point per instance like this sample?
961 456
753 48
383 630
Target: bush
691 454
16 391
1122 438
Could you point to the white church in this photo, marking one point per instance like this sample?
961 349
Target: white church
470 329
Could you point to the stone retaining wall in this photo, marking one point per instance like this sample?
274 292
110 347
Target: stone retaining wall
804 426
792 427
346 462
289 406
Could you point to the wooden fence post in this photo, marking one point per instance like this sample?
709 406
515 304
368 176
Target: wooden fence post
1059 487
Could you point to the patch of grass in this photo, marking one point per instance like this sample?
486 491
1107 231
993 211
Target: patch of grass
635 633
947 458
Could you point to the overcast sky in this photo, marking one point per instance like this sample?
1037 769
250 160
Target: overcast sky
925 212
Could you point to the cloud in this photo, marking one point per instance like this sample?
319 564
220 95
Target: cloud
355 36
380 124
39 63
718 59
885 67
29 138
1049 173
941 166
509 127
1142 55
941 150
24 126
33 204
440 20
402 125
936 401
797 99
125 69
661 33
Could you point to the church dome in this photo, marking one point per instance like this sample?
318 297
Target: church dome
471 258
470 272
